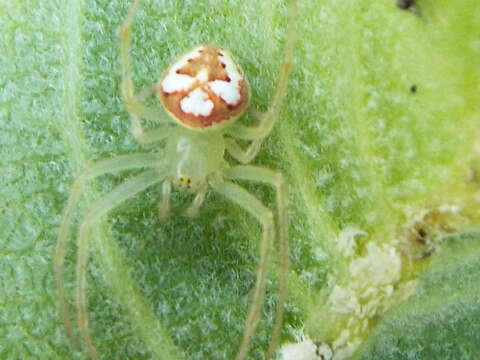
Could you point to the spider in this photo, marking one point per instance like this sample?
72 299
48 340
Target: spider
204 93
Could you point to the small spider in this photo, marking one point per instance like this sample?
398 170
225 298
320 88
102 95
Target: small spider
205 93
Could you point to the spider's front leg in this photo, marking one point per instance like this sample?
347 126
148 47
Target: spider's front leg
164 206
275 179
131 100
268 119
100 208
251 204
147 137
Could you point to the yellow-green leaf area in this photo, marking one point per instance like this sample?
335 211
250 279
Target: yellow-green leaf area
378 138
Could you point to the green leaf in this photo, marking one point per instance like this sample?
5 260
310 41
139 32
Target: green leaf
441 320
370 166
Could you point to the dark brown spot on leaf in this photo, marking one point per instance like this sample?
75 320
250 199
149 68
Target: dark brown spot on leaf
405 4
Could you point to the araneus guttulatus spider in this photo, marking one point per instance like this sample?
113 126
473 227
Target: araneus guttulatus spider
204 93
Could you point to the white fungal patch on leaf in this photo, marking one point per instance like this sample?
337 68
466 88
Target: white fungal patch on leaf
304 350
368 292
324 352
197 103
380 266
346 240
347 350
344 301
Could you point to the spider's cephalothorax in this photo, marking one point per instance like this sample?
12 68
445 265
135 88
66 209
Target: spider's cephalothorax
195 156
204 88
204 92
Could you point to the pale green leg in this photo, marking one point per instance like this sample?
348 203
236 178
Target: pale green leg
100 208
118 163
193 209
241 155
236 151
268 119
131 100
243 198
155 135
275 179
143 137
164 206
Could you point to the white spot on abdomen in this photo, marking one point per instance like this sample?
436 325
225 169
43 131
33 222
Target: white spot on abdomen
180 82
197 103
177 82
227 91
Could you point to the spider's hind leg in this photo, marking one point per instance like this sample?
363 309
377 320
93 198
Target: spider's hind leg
118 163
251 204
275 179
100 208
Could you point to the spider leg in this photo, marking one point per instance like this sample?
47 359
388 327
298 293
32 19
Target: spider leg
118 163
241 155
147 137
100 208
251 204
131 100
274 178
193 209
164 206
268 119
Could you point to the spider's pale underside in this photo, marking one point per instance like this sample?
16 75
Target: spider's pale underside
205 93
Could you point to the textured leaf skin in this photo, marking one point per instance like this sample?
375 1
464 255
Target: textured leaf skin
441 320
359 148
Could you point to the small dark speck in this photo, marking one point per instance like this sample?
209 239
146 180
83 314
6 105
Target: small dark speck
405 4
227 79
223 65
413 89
427 253
409 5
